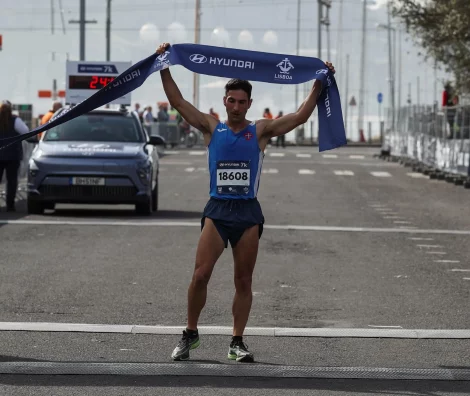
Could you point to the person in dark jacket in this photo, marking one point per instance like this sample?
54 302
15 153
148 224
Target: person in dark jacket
10 157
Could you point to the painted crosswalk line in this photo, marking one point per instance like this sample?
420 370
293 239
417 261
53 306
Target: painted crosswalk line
380 174
343 173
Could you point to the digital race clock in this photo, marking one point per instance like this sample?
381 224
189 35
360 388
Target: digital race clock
85 78
89 82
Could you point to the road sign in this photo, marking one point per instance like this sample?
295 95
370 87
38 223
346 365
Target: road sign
379 97
352 102
84 78
0 42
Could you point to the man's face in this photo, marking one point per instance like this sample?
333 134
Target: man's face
237 104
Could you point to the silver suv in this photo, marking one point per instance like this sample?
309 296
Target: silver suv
104 156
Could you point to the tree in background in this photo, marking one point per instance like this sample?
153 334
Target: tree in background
442 29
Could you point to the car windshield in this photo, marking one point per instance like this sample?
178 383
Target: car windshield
97 128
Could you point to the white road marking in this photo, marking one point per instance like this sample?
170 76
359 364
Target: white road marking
378 205
378 332
384 209
429 246
343 173
416 175
421 239
190 169
329 156
202 152
276 154
306 172
441 253
466 278
170 152
304 155
381 174
408 227
402 222
386 327
393 217
175 162
189 223
459 270
356 156
270 170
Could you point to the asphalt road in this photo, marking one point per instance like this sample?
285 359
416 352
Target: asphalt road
351 243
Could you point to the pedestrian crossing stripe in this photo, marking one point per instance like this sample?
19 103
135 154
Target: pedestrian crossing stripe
380 174
343 173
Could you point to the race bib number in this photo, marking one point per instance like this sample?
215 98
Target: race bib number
233 177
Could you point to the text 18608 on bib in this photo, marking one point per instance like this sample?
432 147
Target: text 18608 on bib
233 177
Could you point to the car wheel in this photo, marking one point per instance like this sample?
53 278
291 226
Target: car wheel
155 197
145 208
50 206
35 207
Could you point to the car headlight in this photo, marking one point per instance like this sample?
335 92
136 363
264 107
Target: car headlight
33 168
144 173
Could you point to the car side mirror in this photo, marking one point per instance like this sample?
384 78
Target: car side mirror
156 140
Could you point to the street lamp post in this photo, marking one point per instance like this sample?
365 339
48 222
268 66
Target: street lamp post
391 65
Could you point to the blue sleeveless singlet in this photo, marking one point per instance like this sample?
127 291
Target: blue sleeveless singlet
235 161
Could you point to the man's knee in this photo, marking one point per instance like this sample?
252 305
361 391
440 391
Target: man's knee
243 284
201 276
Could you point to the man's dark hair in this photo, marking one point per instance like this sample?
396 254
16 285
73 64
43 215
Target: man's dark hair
236 83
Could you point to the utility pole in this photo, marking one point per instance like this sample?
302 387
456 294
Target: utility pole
360 118
346 99
338 37
197 35
323 21
320 17
399 67
327 24
108 30
296 99
52 16
391 73
339 56
82 21
297 53
417 92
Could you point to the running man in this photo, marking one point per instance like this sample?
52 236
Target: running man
233 213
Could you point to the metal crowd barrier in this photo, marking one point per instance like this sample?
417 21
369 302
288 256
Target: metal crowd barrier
168 131
432 140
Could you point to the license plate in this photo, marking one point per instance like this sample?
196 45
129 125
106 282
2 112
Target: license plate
88 181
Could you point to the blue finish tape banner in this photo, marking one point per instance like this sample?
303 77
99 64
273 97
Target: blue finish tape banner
222 62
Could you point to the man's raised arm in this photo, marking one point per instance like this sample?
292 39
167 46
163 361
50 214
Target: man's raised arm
287 123
204 122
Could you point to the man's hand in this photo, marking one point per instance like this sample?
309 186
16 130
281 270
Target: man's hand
162 48
331 67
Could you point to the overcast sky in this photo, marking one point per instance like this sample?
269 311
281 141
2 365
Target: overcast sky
27 65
